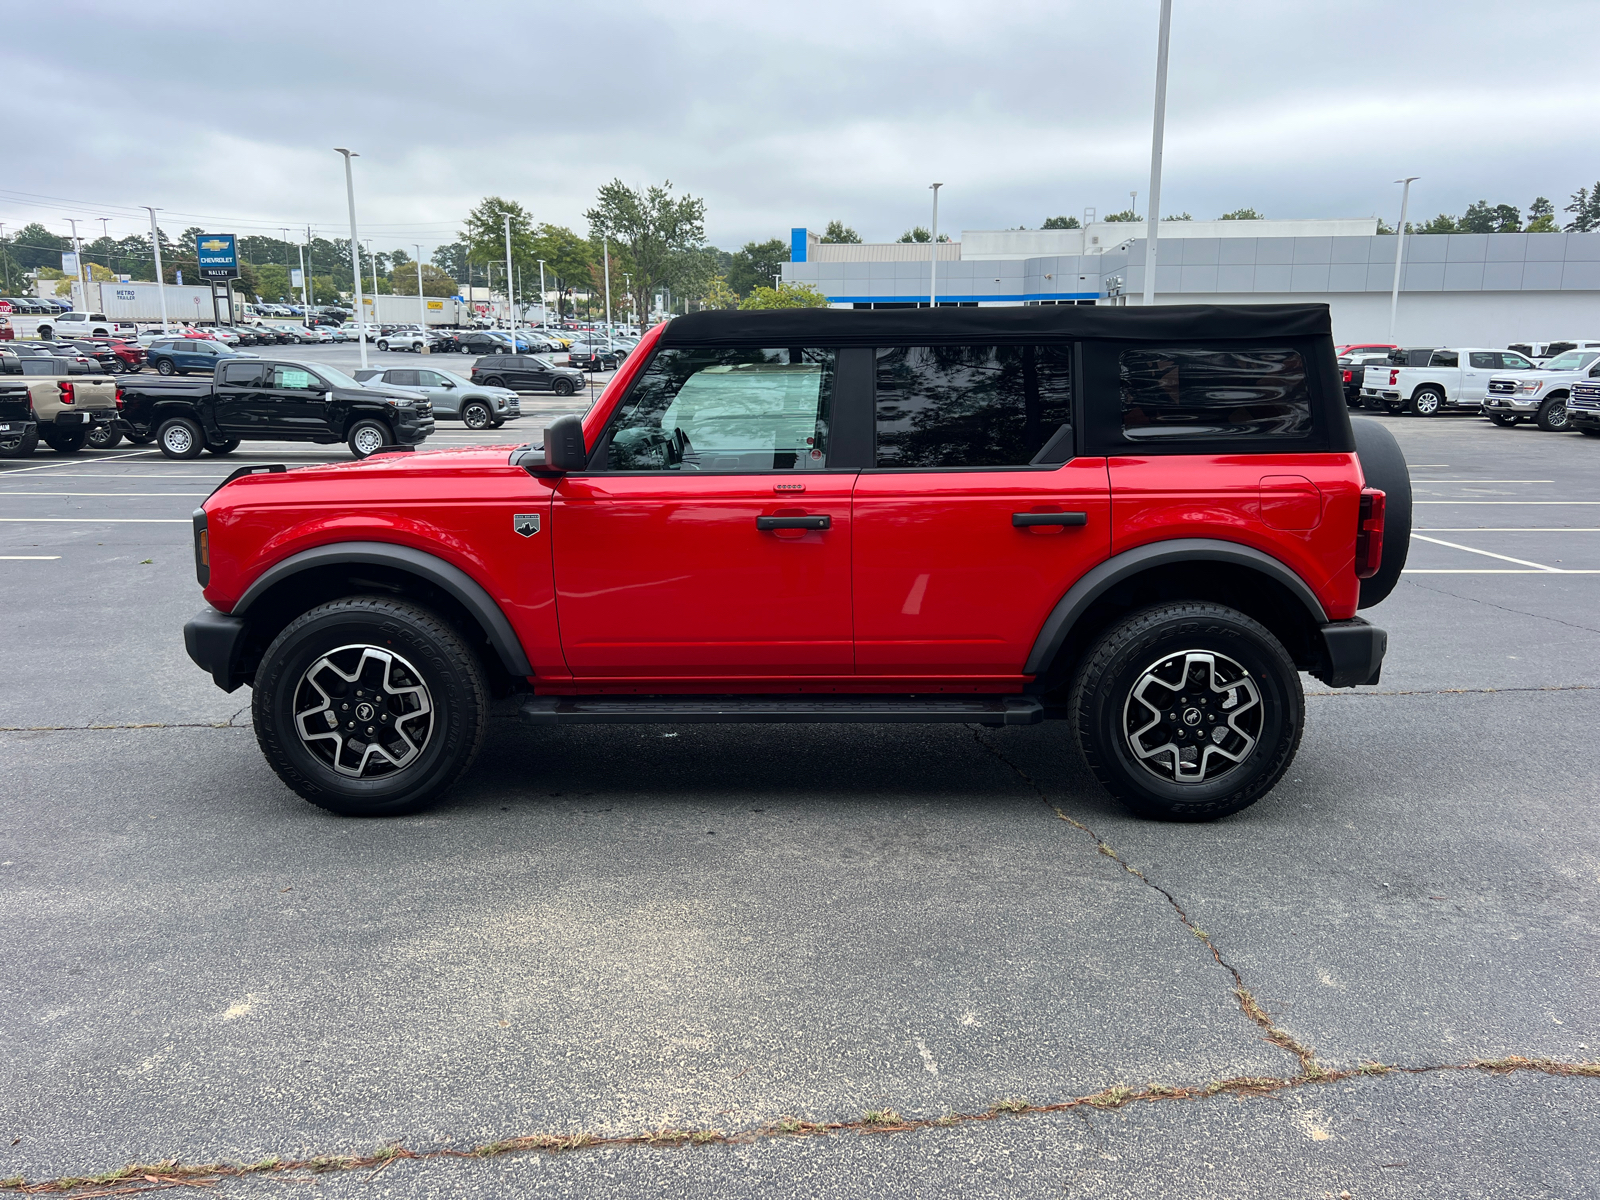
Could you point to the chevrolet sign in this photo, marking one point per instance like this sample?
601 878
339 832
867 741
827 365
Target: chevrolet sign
219 258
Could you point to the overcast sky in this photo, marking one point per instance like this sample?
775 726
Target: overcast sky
782 114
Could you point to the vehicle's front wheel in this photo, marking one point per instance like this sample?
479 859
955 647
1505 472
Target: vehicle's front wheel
21 445
1427 402
563 387
180 438
1188 711
367 438
475 415
369 706
1503 419
226 446
1553 416
105 436
383 345
164 367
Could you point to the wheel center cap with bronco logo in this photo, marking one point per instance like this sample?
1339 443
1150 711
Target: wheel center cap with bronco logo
365 711
1191 716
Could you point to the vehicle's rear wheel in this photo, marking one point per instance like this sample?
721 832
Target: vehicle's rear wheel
164 367
367 438
1188 711
494 381
475 415
1503 419
226 446
63 442
104 437
21 445
180 437
563 387
369 706
1427 402
1553 416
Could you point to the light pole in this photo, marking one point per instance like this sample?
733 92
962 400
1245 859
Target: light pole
374 261
161 279
933 253
422 305
77 253
355 250
305 293
1399 249
627 289
544 302
511 315
605 247
1157 134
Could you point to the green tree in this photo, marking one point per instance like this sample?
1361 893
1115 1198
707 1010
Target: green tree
656 230
403 281
1242 214
324 290
1442 223
755 263
398 258
568 258
1179 217
838 231
485 236
717 294
1061 223
272 283
915 234
1542 216
786 295
1126 214
1585 210
33 246
1482 217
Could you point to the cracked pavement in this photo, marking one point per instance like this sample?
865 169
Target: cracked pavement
618 930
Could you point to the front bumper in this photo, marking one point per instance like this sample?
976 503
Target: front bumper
1499 402
409 433
214 641
1352 653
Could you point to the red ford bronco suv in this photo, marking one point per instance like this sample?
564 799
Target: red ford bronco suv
1143 521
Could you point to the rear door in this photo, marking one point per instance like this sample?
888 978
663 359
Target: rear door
239 398
977 514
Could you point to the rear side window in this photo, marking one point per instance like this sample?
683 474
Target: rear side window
727 410
401 378
973 406
1202 394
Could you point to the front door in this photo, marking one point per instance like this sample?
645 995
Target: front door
712 542
294 403
976 517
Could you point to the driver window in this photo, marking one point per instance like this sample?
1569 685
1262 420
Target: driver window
727 410
295 379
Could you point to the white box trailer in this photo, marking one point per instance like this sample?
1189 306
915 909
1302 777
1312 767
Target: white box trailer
403 310
141 302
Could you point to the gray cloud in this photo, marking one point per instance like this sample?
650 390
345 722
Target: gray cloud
782 114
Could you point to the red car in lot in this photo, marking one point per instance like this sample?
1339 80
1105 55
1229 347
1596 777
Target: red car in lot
1145 522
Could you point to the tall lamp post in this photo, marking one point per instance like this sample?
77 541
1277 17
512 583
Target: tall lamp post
511 312
544 310
933 254
373 259
1158 130
161 280
77 253
605 248
422 305
627 288
355 251
1399 249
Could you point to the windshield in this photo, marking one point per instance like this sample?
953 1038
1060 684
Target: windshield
1572 360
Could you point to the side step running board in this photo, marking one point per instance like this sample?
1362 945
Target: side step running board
634 710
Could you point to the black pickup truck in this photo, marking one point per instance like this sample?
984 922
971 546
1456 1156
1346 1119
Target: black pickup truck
268 400
19 432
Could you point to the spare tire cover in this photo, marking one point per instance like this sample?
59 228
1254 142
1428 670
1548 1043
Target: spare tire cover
1384 467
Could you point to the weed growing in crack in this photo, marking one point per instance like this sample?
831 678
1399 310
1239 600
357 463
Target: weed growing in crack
1011 1105
789 1125
881 1116
1372 1068
1112 1097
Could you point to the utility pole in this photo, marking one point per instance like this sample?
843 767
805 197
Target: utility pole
627 288
1399 250
544 303
605 246
355 250
77 252
1157 135
422 305
161 279
5 260
933 259
373 259
510 313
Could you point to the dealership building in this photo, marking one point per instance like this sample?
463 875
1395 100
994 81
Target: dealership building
1484 289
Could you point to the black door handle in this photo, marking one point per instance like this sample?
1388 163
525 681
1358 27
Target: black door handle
822 521
1028 520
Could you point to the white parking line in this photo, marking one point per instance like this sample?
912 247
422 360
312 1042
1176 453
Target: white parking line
1507 529
1487 571
4 471
105 494
1556 503
96 520
1522 562
29 557
1483 481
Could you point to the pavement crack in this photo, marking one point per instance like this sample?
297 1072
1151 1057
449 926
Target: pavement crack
1310 1069
1482 691
169 1173
137 725
1439 591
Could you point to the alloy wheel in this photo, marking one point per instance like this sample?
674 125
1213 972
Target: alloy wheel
363 711
1192 717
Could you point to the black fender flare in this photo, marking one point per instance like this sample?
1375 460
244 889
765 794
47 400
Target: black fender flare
1119 567
450 579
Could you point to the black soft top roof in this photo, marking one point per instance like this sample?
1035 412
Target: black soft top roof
866 327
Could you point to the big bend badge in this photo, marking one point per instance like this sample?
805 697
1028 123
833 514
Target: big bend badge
527 524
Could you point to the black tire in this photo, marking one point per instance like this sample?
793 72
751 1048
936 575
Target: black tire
383 345
563 387
368 633
104 437
142 439
63 442
1553 415
1383 465
1503 419
1165 679
21 445
494 381
475 415
361 441
1427 402
226 446
179 437
164 367
1589 431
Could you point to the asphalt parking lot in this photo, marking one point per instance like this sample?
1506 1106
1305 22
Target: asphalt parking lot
767 932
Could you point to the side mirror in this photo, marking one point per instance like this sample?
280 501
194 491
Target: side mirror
563 445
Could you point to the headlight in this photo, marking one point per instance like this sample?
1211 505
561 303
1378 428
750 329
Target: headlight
1529 386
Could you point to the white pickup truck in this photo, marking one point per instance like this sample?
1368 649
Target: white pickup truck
1427 382
1541 394
69 325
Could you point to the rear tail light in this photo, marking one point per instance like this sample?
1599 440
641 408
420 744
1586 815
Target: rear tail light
1349 375
202 548
1369 533
1394 378
69 395
119 397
